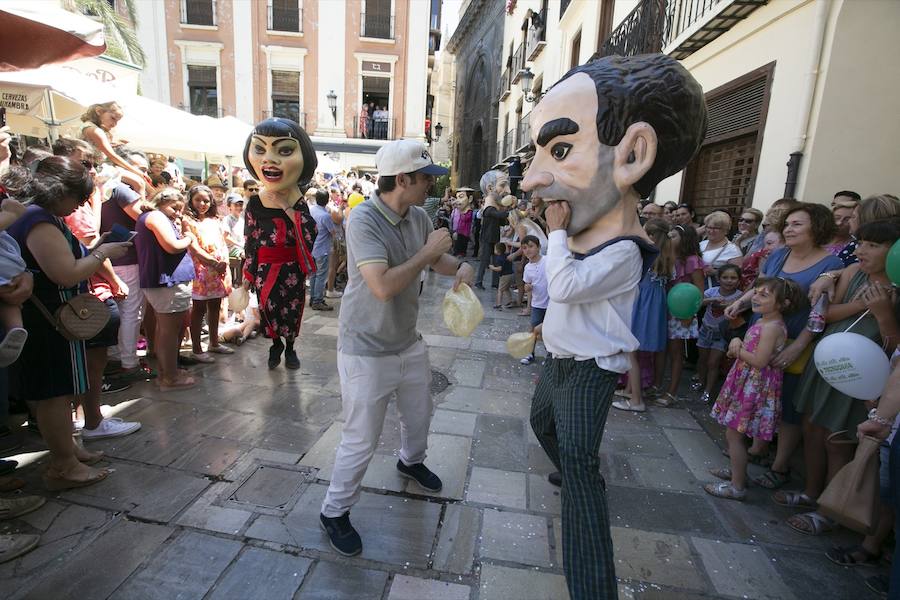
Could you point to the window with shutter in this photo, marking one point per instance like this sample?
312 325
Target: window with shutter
204 91
286 95
722 175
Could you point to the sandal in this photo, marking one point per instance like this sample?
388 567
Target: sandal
853 556
203 357
182 383
793 500
627 406
56 482
724 490
524 313
772 479
763 460
721 473
811 523
220 349
665 400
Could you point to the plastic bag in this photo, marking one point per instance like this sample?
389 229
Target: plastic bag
462 311
238 299
520 345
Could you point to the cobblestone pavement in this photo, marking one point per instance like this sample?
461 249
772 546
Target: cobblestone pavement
218 495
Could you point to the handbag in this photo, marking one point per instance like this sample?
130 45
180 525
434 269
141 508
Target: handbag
81 318
851 498
796 367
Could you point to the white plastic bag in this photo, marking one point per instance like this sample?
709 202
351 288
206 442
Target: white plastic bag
520 345
462 311
238 299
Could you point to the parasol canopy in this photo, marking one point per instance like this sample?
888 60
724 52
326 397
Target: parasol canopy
39 33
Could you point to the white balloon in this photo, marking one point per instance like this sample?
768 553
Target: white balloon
853 364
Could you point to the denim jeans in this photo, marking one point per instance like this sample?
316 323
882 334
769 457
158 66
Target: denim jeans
894 588
317 285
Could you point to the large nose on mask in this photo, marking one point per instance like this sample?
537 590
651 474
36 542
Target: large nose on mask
536 178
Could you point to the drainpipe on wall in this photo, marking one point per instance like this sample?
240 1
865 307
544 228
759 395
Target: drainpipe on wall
808 97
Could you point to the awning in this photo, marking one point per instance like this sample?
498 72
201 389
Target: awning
39 33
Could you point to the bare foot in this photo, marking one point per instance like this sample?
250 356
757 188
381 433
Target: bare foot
86 456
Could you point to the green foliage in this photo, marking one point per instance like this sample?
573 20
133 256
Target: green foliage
442 182
121 39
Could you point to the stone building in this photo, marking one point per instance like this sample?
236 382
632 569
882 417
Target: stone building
477 47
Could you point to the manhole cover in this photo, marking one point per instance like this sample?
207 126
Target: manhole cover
439 382
270 487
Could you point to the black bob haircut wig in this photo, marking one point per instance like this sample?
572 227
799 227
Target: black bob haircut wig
279 127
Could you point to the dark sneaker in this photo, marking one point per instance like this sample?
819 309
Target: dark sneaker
111 386
479 286
555 478
422 475
341 534
291 360
320 306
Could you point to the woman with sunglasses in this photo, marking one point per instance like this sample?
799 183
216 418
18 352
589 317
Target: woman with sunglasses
52 370
748 229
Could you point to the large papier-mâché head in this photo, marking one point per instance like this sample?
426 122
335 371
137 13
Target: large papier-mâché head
611 126
280 154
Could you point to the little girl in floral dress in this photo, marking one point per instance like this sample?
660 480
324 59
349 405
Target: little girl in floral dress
749 404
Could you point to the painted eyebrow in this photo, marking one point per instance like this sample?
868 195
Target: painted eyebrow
551 129
276 142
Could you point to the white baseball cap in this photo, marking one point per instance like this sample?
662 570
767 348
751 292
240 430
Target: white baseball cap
406 156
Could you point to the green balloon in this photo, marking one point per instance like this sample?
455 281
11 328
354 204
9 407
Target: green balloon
684 300
892 263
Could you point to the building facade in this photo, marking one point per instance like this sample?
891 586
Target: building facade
476 45
315 61
795 107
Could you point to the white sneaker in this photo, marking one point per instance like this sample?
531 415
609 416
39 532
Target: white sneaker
110 428
333 294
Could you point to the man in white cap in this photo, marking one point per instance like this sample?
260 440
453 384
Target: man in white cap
390 242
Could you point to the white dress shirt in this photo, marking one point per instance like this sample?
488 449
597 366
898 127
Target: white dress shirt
591 302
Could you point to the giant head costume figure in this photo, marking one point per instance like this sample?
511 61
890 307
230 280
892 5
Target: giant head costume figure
280 155
612 129
494 183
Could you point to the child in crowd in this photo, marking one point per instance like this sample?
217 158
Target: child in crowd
749 404
233 228
503 274
535 280
648 322
711 343
688 269
11 266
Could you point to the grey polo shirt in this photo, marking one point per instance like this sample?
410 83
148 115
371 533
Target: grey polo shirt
376 234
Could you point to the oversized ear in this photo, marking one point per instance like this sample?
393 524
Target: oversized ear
634 155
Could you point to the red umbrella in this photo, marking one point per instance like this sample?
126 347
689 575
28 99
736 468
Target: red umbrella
35 34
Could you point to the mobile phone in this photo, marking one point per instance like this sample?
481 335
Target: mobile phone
120 233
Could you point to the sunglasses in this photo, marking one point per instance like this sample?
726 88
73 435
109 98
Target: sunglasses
743 220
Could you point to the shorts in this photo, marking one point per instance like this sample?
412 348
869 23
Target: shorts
167 300
884 473
505 282
679 331
537 316
109 335
711 338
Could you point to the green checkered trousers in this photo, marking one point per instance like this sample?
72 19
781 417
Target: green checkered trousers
568 414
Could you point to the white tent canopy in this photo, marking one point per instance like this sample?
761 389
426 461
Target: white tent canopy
49 102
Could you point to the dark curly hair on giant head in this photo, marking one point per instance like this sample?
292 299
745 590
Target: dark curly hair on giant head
279 127
655 89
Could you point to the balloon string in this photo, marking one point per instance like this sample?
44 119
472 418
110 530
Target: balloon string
857 320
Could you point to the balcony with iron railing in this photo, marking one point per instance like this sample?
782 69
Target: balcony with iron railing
373 128
518 63
677 27
288 20
509 141
524 132
505 86
537 35
379 26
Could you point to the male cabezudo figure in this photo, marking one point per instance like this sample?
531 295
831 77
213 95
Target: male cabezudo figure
604 136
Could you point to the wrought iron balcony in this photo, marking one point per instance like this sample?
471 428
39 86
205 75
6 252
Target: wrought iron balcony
524 132
677 27
504 84
282 19
371 128
376 26
198 12
518 63
537 35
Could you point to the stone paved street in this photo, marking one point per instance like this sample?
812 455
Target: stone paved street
218 495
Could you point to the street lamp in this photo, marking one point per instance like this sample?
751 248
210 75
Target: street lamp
332 104
438 129
525 79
